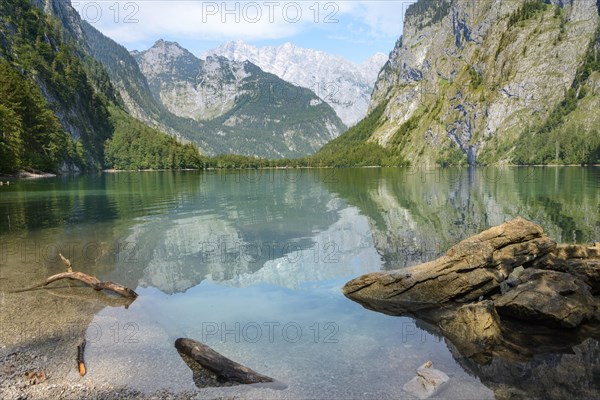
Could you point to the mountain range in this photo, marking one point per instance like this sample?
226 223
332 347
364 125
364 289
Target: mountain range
252 112
490 82
223 106
342 84
89 90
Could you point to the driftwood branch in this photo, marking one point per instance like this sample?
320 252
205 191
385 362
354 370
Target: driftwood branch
67 262
110 301
225 369
89 280
80 359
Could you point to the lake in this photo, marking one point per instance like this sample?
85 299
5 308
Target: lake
252 262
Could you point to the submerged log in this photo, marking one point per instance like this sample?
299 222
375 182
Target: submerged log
89 280
225 369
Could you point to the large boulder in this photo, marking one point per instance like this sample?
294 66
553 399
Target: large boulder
471 269
512 270
537 287
548 297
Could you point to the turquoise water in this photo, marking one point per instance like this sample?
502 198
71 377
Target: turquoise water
252 263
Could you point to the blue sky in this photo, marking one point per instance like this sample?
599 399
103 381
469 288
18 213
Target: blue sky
352 29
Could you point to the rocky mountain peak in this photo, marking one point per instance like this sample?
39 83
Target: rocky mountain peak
231 96
344 85
169 49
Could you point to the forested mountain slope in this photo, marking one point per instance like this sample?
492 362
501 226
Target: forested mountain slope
58 108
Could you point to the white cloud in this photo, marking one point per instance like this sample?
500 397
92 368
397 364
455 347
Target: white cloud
125 21
384 19
131 22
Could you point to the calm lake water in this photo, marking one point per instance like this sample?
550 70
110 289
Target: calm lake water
252 263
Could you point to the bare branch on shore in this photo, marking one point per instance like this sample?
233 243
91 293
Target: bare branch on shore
89 280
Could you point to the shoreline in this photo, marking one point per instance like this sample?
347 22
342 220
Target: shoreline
112 171
42 175
28 175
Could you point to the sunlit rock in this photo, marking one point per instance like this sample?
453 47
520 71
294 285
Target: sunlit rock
428 381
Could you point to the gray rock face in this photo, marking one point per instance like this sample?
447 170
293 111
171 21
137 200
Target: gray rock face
473 80
250 111
548 297
187 86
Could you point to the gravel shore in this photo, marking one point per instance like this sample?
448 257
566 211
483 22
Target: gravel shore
18 365
39 334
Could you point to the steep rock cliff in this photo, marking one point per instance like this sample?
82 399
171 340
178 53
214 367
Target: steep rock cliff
492 82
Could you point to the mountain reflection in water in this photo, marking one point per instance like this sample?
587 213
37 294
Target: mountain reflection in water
276 246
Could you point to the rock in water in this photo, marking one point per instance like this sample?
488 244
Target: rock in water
548 297
428 381
520 272
475 329
470 269
578 260
476 323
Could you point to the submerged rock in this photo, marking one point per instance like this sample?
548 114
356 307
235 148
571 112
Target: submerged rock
428 381
557 375
476 323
